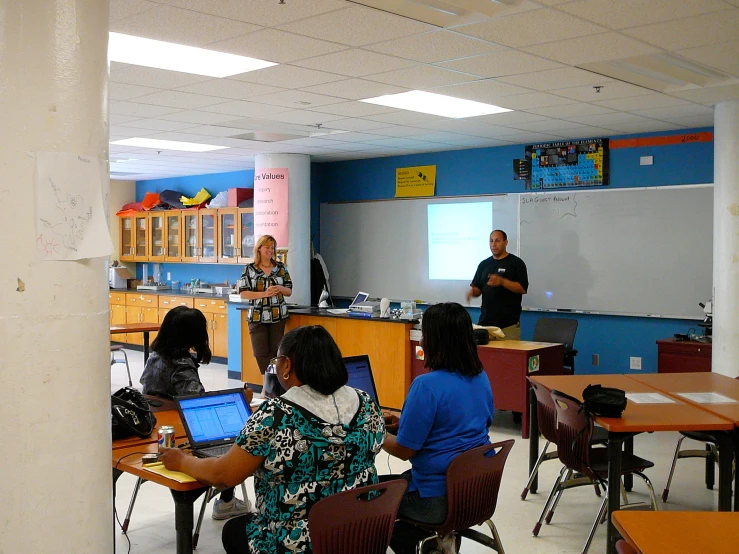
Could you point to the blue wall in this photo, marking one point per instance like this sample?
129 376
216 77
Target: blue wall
472 172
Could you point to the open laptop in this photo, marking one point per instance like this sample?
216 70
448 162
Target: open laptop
358 299
213 420
360 375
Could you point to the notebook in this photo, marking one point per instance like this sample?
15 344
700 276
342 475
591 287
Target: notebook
213 420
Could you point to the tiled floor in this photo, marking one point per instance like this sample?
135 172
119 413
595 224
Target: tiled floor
151 530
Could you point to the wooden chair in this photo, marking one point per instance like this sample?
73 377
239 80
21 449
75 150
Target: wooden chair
357 521
472 483
574 432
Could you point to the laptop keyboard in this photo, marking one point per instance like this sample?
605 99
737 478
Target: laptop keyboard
214 451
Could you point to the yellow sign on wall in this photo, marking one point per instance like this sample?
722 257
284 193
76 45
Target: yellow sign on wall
415 181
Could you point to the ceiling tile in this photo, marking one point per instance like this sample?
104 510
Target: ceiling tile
159 124
675 112
571 110
354 109
647 127
422 77
710 95
287 76
177 99
646 102
120 9
304 117
398 131
564 77
357 26
474 127
245 109
606 120
151 77
181 26
139 110
609 91
121 91
261 12
487 90
355 63
549 126
357 137
129 131
435 46
297 98
690 32
115 119
356 124
529 137
533 27
276 46
532 100
632 13
723 57
355 89
405 117
585 132
197 117
229 88
400 142
510 118
694 121
597 48
499 64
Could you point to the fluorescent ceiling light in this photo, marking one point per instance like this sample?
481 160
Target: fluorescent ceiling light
435 104
167 145
177 57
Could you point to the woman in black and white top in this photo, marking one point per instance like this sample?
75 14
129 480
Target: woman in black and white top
266 283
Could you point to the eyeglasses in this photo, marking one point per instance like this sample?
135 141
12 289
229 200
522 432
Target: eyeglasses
272 366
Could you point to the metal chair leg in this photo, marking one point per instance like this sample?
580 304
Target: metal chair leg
196 535
535 471
128 368
599 517
650 488
552 493
550 513
496 537
136 487
666 492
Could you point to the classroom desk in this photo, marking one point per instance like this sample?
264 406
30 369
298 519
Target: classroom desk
128 460
675 383
640 418
659 532
144 328
507 363
165 417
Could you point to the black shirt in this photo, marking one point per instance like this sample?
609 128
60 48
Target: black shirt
500 307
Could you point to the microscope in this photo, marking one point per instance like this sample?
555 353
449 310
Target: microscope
707 323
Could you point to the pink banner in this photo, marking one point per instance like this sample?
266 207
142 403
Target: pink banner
271 204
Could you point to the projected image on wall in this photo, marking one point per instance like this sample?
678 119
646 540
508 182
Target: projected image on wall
458 239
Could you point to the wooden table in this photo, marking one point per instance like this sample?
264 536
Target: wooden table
638 418
674 384
144 328
659 532
507 363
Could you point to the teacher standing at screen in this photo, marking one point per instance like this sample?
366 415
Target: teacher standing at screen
502 281
266 283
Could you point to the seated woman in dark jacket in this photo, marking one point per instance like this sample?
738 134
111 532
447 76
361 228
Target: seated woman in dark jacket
171 371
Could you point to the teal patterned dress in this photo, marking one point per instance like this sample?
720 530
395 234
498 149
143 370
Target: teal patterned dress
306 459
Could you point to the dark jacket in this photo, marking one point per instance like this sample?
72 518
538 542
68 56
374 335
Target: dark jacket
167 379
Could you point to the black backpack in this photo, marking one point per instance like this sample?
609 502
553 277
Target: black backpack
604 401
130 414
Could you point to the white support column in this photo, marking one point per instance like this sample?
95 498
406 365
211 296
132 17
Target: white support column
55 472
298 255
726 240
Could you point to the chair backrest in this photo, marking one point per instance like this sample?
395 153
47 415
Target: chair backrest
622 547
472 485
554 329
357 521
574 433
546 413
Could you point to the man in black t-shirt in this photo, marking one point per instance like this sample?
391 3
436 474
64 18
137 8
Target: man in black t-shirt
502 281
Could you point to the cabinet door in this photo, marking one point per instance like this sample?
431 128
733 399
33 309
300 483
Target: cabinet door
156 236
141 237
126 238
118 316
190 236
219 346
228 242
208 232
150 315
173 236
246 235
134 315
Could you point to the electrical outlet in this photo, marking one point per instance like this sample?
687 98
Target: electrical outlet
169 276
634 362
596 359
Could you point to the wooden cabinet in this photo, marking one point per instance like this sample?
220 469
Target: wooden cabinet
190 234
141 308
141 237
173 236
126 238
246 235
208 236
157 246
216 313
118 312
687 356
228 241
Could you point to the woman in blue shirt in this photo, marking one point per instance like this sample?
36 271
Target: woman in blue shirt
447 411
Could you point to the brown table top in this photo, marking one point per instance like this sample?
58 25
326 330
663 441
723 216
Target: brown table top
659 532
638 418
167 417
128 460
674 383
518 345
133 328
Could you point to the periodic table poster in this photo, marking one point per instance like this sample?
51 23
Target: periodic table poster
553 165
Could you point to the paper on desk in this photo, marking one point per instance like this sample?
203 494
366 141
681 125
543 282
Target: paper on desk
648 398
158 467
707 397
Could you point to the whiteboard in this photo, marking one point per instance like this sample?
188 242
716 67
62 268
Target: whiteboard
642 251
381 247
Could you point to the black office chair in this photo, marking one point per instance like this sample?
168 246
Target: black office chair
554 329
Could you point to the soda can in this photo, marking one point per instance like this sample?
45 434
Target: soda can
166 437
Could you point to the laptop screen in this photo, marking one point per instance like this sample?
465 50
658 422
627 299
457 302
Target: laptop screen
361 297
214 416
360 375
